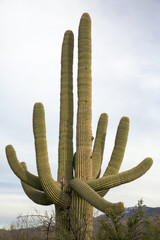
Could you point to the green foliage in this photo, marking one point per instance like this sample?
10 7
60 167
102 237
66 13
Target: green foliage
135 227
153 228
112 229
135 223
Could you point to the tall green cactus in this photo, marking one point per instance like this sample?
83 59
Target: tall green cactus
79 187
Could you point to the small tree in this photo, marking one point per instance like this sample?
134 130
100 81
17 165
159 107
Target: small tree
112 228
24 229
142 227
135 227
34 226
135 222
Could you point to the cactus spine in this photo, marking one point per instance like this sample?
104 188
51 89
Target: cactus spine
75 195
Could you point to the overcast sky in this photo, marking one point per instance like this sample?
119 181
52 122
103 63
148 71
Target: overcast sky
126 81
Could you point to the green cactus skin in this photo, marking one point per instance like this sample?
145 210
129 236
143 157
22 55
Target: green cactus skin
99 145
65 150
75 195
80 209
34 194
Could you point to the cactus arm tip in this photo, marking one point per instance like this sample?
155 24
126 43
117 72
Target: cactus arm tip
119 147
86 15
114 180
93 198
99 145
52 191
19 171
65 145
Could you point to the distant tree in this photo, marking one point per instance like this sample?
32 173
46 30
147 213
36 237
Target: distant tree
38 226
22 230
34 226
30 227
4 234
44 223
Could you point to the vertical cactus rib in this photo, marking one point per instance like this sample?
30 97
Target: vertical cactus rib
87 193
19 171
49 186
114 180
36 196
99 145
83 163
65 149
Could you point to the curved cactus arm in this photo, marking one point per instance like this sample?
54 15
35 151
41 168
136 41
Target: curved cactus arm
87 193
99 145
118 150
121 178
19 171
119 147
54 193
36 196
65 148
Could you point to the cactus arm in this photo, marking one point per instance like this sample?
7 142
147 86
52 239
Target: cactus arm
36 196
118 150
19 171
87 193
99 145
65 149
23 174
119 147
54 193
114 180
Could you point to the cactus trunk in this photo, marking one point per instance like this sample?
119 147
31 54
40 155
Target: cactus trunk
82 211
78 188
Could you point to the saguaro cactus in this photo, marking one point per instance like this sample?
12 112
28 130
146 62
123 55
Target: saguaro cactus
79 187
